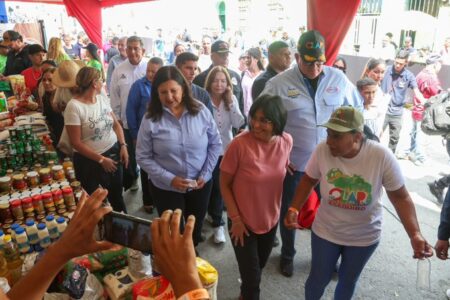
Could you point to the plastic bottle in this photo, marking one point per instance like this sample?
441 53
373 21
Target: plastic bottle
52 227
22 240
13 260
2 243
13 228
44 236
62 224
32 232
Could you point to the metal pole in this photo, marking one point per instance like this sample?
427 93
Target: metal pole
43 35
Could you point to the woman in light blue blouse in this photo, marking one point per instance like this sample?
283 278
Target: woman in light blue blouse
227 115
178 146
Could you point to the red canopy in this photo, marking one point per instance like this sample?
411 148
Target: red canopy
88 13
331 18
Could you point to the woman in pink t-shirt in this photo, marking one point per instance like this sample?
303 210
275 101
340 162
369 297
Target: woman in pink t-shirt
251 182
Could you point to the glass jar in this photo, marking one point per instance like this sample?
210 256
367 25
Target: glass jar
19 182
5 212
70 175
37 167
58 173
67 164
5 184
33 179
47 200
38 204
58 197
45 176
76 186
16 208
69 197
27 205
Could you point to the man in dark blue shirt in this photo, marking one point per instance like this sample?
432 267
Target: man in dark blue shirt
396 82
138 100
187 62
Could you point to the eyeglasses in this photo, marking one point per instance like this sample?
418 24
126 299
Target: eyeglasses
339 67
316 63
262 121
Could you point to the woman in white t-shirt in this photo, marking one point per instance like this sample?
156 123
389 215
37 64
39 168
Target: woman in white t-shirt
96 137
227 115
352 172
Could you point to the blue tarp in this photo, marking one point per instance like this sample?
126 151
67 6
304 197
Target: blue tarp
3 14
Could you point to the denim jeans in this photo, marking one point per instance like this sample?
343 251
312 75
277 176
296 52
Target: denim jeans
287 235
215 207
325 255
395 126
416 141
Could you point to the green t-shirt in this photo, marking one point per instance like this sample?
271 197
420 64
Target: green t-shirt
95 64
2 63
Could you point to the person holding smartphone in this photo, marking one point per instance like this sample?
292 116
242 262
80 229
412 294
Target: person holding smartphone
178 146
96 137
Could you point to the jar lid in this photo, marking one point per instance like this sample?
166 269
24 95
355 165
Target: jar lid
41 226
67 190
57 192
44 171
15 202
37 197
20 230
57 168
29 222
46 195
50 218
5 179
32 174
18 177
27 200
60 220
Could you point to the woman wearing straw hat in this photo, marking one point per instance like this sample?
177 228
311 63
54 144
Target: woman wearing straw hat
96 137
64 80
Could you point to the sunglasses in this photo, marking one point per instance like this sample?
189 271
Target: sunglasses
340 68
317 63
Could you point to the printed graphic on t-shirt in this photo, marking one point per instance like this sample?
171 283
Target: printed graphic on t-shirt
349 192
103 124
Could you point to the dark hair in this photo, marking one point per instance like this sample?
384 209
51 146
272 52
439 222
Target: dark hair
366 81
340 58
85 77
256 54
402 54
92 49
164 74
156 61
185 57
49 70
273 110
49 62
372 64
135 38
389 34
276 46
115 40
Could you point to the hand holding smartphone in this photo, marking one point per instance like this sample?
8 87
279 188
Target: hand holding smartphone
128 231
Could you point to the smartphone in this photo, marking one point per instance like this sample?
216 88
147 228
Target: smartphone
128 231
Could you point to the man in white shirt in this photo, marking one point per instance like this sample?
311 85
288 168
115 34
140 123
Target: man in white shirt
122 79
116 60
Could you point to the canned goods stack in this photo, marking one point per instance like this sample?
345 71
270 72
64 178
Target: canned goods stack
25 149
38 193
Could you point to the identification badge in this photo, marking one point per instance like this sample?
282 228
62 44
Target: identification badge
292 93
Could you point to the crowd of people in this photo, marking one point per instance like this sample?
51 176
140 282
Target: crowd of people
257 143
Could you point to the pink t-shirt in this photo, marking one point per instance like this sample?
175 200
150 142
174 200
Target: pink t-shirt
258 171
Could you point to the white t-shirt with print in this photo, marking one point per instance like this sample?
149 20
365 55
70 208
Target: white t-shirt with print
95 120
350 211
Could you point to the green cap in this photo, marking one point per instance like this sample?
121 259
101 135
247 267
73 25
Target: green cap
345 119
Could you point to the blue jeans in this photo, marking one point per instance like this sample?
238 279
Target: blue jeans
287 235
416 141
325 255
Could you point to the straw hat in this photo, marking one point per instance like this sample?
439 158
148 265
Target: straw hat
66 73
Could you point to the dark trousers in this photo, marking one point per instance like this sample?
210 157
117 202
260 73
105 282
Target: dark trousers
215 207
131 173
288 235
252 258
146 198
395 126
194 202
91 174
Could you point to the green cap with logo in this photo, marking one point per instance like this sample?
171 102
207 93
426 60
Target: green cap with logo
345 119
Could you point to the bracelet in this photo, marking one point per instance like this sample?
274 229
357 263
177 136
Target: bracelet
123 144
198 294
293 209
101 160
